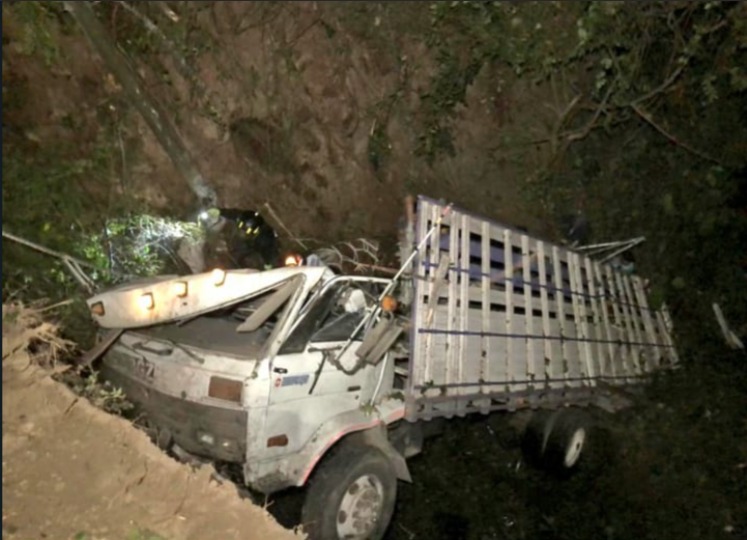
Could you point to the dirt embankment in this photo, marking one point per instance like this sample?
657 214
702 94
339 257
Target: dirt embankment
71 471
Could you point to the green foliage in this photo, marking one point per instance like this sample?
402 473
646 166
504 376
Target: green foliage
102 395
467 37
652 141
138 245
49 201
37 25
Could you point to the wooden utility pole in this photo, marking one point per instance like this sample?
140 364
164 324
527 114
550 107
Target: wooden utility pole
152 112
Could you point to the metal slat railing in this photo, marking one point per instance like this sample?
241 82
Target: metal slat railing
499 315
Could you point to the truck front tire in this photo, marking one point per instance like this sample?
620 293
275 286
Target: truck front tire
351 495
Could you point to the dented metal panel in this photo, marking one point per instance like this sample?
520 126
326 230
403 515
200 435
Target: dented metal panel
171 298
501 319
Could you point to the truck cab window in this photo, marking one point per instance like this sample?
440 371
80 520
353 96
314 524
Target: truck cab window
333 317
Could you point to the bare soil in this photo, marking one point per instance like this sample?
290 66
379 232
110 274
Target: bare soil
72 471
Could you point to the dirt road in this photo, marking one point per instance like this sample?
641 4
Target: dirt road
72 471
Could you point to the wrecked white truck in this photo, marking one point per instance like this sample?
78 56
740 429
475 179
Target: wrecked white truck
306 376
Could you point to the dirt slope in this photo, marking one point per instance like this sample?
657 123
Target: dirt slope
71 471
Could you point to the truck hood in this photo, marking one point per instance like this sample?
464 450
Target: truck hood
169 298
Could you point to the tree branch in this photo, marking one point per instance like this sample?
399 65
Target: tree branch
186 71
647 118
133 86
577 136
661 88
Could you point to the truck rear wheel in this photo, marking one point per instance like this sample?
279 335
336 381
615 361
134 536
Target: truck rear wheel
556 440
351 495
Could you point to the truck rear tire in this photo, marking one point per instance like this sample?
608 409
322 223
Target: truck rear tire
555 441
351 495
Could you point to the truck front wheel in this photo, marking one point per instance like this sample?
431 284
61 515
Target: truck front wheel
351 495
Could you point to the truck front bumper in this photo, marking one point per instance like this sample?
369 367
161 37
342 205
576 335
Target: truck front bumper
205 430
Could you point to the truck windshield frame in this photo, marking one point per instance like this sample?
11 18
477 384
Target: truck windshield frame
313 320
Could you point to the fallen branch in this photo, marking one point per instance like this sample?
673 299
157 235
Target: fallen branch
73 265
45 250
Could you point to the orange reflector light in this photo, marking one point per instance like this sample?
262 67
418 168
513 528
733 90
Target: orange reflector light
389 304
219 277
293 260
225 389
181 288
98 309
277 440
146 301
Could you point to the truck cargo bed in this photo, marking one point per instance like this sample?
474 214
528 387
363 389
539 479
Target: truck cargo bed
503 320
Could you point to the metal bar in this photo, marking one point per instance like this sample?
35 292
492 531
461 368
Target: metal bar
464 256
509 270
600 324
611 244
608 330
647 322
529 391
629 324
542 267
588 353
486 357
537 337
531 371
620 320
614 254
415 369
636 319
560 304
578 358
519 280
434 256
451 356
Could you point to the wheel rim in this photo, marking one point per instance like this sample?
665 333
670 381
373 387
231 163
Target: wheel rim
574 448
360 508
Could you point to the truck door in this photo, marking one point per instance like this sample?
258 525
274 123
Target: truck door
311 379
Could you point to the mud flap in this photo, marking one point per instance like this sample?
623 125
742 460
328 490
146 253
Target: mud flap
377 437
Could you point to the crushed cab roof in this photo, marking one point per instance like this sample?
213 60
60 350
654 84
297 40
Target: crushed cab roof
177 297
